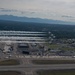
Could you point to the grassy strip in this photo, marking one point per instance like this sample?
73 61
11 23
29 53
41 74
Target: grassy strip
9 62
53 62
10 73
56 72
53 46
58 46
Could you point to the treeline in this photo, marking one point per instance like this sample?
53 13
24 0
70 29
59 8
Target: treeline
60 31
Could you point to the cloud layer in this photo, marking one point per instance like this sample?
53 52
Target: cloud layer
50 9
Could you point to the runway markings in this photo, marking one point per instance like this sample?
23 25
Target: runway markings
42 57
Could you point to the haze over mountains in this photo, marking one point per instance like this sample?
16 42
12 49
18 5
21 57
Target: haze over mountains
35 20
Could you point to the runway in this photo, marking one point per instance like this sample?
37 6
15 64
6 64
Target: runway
30 69
33 68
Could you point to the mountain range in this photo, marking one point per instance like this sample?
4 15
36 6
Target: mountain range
34 20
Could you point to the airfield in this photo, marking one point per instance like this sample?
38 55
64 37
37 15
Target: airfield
32 46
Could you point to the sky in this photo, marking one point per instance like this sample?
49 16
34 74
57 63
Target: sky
47 9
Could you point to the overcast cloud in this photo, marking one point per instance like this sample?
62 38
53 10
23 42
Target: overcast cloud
50 9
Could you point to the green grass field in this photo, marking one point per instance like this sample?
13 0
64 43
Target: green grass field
60 47
53 62
56 72
9 62
53 46
10 73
